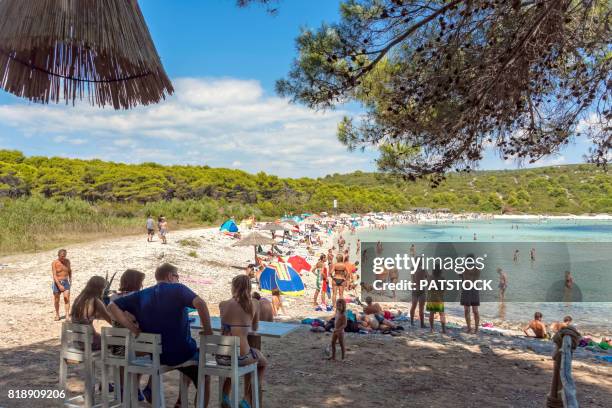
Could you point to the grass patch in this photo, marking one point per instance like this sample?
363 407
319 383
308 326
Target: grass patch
189 242
36 223
193 254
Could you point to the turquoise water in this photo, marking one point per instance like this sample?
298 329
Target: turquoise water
496 231
595 275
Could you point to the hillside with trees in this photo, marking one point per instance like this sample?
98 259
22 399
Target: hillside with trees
44 201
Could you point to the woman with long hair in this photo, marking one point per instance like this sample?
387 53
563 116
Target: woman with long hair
131 281
88 306
240 316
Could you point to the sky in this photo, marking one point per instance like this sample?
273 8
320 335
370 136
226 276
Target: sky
223 62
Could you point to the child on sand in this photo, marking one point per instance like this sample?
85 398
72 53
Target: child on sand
340 324
277 303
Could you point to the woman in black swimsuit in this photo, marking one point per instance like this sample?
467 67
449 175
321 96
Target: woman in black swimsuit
338 273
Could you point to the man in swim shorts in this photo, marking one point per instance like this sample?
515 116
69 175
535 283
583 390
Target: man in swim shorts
61 275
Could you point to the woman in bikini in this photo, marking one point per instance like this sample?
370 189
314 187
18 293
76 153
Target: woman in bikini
339 274
88 306
239 316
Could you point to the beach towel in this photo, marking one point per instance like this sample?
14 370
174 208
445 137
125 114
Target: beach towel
350 315
607 359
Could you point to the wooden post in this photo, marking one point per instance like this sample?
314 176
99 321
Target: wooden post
565 372
563 389
552 399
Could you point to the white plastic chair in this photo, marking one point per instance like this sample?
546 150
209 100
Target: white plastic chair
112 336
73 334
229 346
151 344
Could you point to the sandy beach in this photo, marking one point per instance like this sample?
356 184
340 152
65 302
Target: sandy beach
464 370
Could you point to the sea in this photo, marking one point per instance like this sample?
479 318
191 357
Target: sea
588 245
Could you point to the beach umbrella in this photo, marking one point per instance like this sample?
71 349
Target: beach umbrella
101 50
272 226
299 264
281 276
254 239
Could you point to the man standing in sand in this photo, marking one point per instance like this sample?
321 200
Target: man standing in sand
61 273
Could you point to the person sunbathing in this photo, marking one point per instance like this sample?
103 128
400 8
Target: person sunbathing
240 316
363 323
372 308
537 326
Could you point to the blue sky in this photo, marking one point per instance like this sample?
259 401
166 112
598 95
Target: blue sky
223 61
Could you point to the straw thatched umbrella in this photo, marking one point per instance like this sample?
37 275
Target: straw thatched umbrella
74 49
254 239
271 226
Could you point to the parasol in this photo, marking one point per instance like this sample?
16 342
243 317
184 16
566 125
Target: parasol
271 226
254 239
74 49
299 264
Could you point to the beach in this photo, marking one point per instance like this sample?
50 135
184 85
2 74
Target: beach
465 370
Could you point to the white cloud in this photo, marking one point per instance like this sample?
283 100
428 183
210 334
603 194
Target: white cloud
219 122
66 140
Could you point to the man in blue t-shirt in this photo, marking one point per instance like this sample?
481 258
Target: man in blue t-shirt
162 309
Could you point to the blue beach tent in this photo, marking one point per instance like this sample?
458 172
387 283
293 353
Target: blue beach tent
229 226
283 277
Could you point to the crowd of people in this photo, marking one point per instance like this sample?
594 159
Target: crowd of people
163 307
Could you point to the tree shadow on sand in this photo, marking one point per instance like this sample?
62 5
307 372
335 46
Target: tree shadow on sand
413 370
